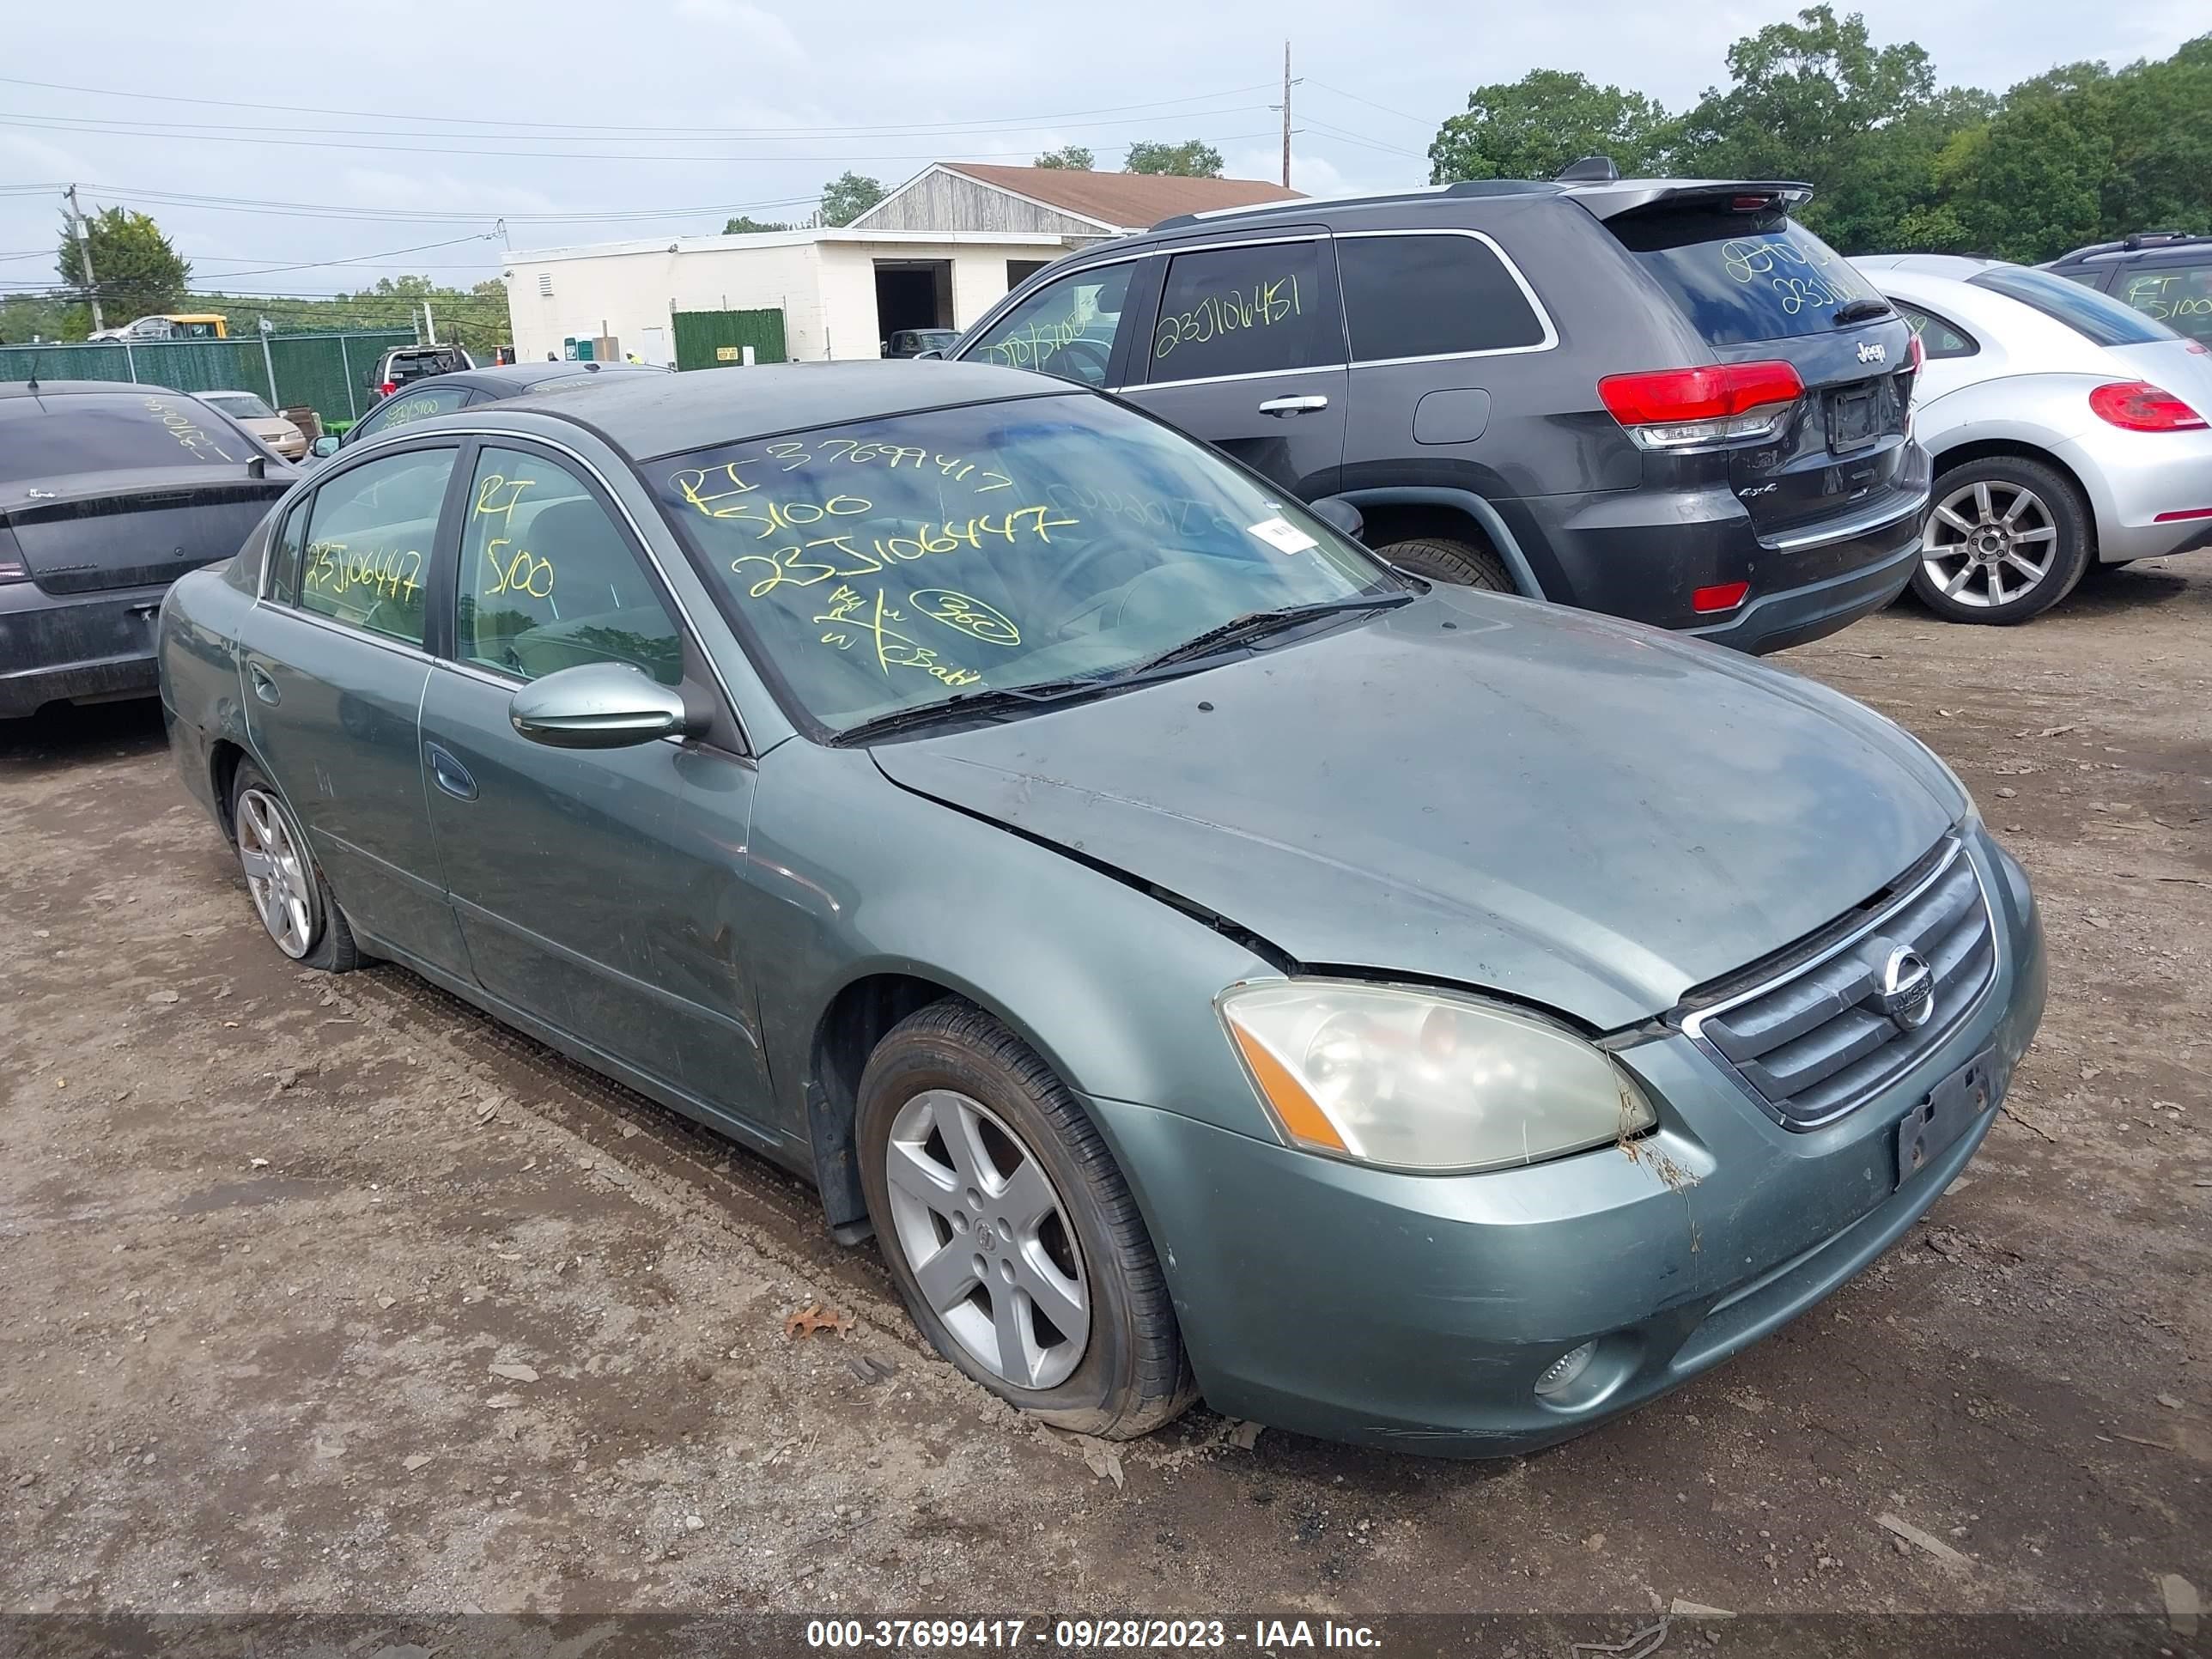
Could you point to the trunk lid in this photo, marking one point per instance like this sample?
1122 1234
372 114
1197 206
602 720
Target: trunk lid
1759 288
111 531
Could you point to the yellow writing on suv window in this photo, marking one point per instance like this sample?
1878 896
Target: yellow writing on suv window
1263 305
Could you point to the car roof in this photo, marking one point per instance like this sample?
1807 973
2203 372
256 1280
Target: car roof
647 415
2142 246
79 388
1960 265
511 379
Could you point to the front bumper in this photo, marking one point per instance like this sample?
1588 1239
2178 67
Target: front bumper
57 647
1416 1313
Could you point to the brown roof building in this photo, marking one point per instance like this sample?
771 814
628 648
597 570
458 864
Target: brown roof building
1060 201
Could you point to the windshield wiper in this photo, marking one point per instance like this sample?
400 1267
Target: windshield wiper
1257 624
988 700
1860 310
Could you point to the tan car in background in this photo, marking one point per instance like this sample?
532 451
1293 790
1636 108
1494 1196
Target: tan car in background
252 413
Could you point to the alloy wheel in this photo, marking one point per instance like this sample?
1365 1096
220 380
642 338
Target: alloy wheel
277 873
1989 542
984 1232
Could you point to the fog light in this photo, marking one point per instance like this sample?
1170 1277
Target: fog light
1565 1368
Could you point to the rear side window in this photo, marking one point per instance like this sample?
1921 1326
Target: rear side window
95 432
1431 296
1743 276
284 546
1937 338
403 408
369 536
1248 310
2180 296
2098 317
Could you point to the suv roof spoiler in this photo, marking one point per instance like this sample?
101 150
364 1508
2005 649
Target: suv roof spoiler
1611 198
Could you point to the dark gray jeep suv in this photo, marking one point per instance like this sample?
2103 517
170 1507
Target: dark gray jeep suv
1664 399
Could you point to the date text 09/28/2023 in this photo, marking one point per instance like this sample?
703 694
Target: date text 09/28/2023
1085 1635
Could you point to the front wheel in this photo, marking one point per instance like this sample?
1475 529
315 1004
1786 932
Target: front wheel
1010 1229
1439 559
2007 539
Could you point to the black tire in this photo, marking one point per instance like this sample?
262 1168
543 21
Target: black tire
330 943
1133 1374
2058 501
1463 564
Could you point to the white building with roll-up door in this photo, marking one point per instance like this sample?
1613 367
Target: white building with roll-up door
935 253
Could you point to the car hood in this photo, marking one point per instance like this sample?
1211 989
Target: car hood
1583 813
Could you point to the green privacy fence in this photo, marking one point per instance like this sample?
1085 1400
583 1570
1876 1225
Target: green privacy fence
716 339
327 372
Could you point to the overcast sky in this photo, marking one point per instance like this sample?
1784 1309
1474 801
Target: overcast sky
557 91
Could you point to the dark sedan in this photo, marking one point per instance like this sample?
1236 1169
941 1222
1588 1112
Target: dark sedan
466 388
108 492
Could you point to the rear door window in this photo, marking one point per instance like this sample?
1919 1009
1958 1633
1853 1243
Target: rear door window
369 536
2099 317
1254 309
2180 296
1431 295
1740 277
1937 338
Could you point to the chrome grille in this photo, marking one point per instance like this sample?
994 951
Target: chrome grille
1810 1040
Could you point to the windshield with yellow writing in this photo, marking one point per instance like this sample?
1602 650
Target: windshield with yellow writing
901 561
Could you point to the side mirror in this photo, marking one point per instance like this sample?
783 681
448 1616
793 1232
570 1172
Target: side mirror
324 447
933 352
600 705
1338 513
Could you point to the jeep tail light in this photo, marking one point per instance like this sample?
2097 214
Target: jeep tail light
1917 354
388 388
2139 406
1694 408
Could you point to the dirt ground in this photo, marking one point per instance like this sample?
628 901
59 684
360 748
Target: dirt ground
326 1293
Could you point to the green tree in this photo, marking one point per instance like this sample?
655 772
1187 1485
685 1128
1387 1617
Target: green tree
2159 121
1192 159
2031 183
742 226
1074 156
1532 127
848 196
1817 99
137 273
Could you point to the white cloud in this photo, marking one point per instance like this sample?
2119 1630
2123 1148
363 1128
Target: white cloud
762 31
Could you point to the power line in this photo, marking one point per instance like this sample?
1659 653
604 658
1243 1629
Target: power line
132 127
59 125
333 210
1417 120
884 130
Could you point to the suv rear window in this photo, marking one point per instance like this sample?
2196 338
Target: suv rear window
1431 295
1743 276
2096 316
98 432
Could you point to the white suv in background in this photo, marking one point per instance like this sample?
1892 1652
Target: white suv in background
2070 433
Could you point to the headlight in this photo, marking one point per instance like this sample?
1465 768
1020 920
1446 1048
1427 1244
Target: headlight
1424 1080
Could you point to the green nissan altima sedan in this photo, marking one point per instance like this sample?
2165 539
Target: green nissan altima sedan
1209 963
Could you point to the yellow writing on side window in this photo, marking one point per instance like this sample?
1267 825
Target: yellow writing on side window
185 429
503 568
1266 303
335 571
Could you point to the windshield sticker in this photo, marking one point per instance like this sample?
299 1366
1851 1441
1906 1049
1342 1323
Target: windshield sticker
1282 535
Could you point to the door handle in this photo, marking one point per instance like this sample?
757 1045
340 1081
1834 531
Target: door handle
1283 408
449 774
263 686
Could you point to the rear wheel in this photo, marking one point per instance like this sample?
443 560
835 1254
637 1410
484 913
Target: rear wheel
290 892
1463 564
1010 1230
2007 539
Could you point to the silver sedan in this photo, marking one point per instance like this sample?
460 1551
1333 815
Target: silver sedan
2070 433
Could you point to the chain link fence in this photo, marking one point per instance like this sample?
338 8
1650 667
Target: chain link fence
327 372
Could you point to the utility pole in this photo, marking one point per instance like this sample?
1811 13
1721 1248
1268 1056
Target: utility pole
1286 115
84 259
